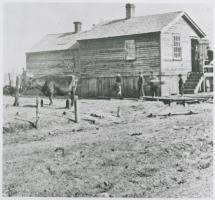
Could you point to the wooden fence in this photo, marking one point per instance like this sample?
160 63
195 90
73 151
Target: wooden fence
99 86
104 86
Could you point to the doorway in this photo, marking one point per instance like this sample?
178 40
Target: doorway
195 56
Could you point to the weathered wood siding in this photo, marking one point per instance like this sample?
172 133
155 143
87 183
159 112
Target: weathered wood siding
170 68
53 63
102 59
103 86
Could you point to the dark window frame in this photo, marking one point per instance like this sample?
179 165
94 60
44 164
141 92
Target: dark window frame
177 49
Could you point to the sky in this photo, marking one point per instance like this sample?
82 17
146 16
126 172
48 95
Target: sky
24 24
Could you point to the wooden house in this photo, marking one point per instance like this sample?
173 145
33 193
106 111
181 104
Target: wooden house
167 44
55 54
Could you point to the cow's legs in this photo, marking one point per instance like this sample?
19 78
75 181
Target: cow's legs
50 99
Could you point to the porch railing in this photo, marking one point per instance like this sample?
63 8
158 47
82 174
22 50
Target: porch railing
206 71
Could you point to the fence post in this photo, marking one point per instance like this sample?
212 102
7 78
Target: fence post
68 104
76 109
10 84
37 112
118 111
41 103
16 102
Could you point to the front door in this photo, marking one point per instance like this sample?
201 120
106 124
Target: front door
195 55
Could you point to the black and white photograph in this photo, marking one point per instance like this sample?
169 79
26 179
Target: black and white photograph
107 99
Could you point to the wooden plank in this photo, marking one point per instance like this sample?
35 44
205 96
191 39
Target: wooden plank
76 109
108 56
16 100
172 99
51 62
37 113
92 87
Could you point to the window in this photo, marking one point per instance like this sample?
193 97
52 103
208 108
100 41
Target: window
177 47
130 50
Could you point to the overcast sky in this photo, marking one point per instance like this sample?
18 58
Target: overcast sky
24 24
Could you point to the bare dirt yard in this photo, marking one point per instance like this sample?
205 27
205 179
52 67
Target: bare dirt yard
104 155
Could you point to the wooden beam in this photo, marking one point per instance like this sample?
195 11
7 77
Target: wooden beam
171 114
16 102
76 109
172 99
37 112
10 84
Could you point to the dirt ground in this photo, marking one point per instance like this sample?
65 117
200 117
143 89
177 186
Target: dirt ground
104 155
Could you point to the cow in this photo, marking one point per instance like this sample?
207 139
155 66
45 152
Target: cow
52 85
56 85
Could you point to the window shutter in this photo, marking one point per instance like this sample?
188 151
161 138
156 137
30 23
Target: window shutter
130 50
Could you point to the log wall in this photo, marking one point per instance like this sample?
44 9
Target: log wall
106 57
53 63
102 59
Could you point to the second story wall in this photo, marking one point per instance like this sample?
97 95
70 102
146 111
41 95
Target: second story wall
107 57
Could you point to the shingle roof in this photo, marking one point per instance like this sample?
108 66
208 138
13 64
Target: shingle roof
114 28
54 42
135 25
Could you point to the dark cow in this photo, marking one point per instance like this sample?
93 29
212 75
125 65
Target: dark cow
53 85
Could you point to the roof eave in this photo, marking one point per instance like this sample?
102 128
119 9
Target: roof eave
165 28
189 21
98 38
194 25
46 51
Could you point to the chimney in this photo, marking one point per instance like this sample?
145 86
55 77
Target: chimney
130 10
77 27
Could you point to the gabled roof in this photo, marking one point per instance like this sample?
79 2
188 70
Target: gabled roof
138 25
115 28
54 42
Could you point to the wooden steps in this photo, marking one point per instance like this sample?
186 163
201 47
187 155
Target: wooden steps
192 82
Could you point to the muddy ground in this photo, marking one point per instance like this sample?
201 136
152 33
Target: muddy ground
105 155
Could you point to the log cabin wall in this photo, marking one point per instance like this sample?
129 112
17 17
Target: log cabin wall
63 62
102 59
170 67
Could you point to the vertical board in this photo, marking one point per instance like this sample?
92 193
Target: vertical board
92 82
104 86
100 90
84 87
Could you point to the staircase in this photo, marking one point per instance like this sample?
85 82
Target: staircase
193 83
